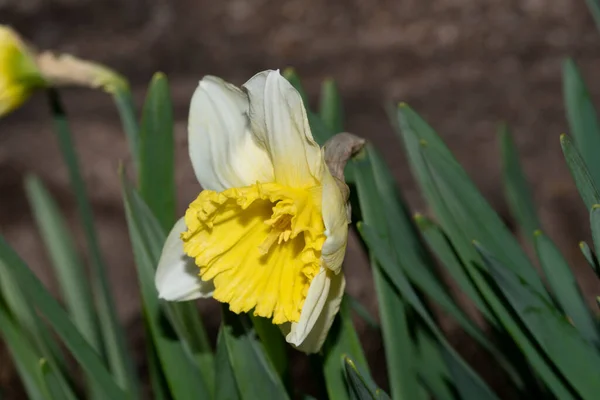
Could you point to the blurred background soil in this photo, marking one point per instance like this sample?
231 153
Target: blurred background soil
465 65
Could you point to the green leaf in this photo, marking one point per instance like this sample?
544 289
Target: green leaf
470 383
590 257
274 343
34 329
253 371
431 365
181 373
594 7
124 101
393 316
416 261
112 333
575 358
565 288
225 385
183 316
362 312
341 340
463 213
595 225
60 322
292 77
160 389
69 269
516 188
581 114
360 384
156 173
331 111
23 355
52 383
587 187
440 245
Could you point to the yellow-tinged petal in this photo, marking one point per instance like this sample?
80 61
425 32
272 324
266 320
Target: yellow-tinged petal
177 274
223 152
335 217
278 119
259 244
320 308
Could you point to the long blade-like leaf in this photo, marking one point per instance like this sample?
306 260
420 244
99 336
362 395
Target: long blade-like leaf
182 374
112 333
156 174
516 189
60 322
565 287
253 371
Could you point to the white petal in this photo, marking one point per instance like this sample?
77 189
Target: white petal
320 307
177 276
335 217
278 119
223 151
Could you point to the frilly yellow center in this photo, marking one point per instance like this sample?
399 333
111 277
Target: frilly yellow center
260 244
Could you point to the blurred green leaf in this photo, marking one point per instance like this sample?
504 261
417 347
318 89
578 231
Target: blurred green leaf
126 107
23 355
360 384
112 333
341 340
292 77
184 379
362 312
581 114
565 287
160 388
330 107
60 322
594 7
590 257
33 328
226 387
253 371
183 316
576 359
51 382
156 173
588 189
516 188
69 269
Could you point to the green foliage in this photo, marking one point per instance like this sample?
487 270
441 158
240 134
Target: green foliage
540 333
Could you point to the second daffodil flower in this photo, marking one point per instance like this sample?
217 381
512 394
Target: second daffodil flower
268 233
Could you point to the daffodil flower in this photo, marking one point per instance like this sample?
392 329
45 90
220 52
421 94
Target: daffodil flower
19 74
268 233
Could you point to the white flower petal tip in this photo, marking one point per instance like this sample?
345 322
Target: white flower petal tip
223 152
177 275
320 308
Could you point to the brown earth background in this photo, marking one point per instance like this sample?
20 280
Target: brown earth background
464 65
